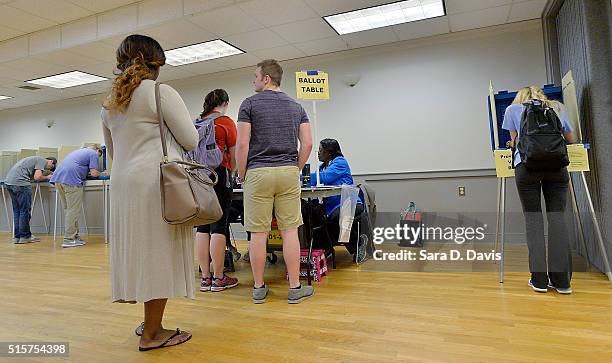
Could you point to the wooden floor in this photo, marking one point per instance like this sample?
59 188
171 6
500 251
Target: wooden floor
54 294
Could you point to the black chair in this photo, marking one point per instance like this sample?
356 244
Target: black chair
361 233
361 237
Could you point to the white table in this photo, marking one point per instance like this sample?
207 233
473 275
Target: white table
322 191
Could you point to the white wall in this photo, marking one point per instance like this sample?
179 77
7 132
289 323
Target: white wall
420 105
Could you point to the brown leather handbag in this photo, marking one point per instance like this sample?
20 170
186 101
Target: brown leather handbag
187 194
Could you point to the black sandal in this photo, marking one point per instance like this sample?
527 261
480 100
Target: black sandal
163 345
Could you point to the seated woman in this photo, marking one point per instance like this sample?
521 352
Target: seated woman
335 170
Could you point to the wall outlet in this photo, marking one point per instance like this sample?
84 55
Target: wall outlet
462 191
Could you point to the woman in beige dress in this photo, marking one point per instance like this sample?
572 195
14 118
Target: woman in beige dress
151 260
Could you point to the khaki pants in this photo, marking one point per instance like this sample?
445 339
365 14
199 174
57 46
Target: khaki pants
271 188
72 201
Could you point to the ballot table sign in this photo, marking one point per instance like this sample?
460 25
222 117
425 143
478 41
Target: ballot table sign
312 85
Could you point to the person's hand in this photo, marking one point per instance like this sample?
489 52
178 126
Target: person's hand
241 176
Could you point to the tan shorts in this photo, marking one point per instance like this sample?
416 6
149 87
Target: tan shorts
272 187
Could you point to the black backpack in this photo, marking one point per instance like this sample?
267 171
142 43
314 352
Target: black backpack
541 143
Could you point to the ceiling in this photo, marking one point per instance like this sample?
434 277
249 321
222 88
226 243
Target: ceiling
45 37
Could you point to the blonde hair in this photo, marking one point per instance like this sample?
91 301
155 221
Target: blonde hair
138 57
271 68
527 94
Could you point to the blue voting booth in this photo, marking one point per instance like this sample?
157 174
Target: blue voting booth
503 99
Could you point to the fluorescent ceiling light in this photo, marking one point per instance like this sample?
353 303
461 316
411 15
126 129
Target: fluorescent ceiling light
385 15
69 79
200 52
4 97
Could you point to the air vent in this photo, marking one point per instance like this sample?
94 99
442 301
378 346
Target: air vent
29 88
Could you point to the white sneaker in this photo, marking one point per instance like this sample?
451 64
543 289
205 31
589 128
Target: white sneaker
72 243
16 240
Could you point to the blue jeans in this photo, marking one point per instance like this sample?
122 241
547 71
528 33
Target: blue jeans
21 197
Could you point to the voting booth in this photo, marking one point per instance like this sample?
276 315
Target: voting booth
47 152
64 150
24 153
7 160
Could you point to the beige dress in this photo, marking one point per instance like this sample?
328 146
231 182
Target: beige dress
149 258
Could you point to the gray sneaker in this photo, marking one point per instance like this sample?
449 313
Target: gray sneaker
259 294
561 290
72 243
30 239
16 240
296 296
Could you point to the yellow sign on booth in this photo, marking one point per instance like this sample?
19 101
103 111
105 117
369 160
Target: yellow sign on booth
577 153
579 159
312 85
503 163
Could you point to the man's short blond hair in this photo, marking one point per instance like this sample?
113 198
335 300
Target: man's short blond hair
271 68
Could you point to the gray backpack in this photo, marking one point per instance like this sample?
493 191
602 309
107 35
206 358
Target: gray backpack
208 152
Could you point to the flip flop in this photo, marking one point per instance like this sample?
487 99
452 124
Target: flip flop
164 344
140 329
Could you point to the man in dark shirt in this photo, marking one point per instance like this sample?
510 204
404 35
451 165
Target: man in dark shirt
270 123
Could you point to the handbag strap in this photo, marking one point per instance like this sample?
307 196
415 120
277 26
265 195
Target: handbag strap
162 122
191 166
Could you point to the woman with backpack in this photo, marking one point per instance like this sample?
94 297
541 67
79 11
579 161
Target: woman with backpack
211 239
539 130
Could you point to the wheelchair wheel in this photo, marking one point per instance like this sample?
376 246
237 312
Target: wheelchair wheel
272 258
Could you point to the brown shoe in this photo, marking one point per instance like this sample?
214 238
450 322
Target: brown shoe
220 284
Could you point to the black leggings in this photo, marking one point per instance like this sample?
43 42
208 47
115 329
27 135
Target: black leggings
554 185
224 194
